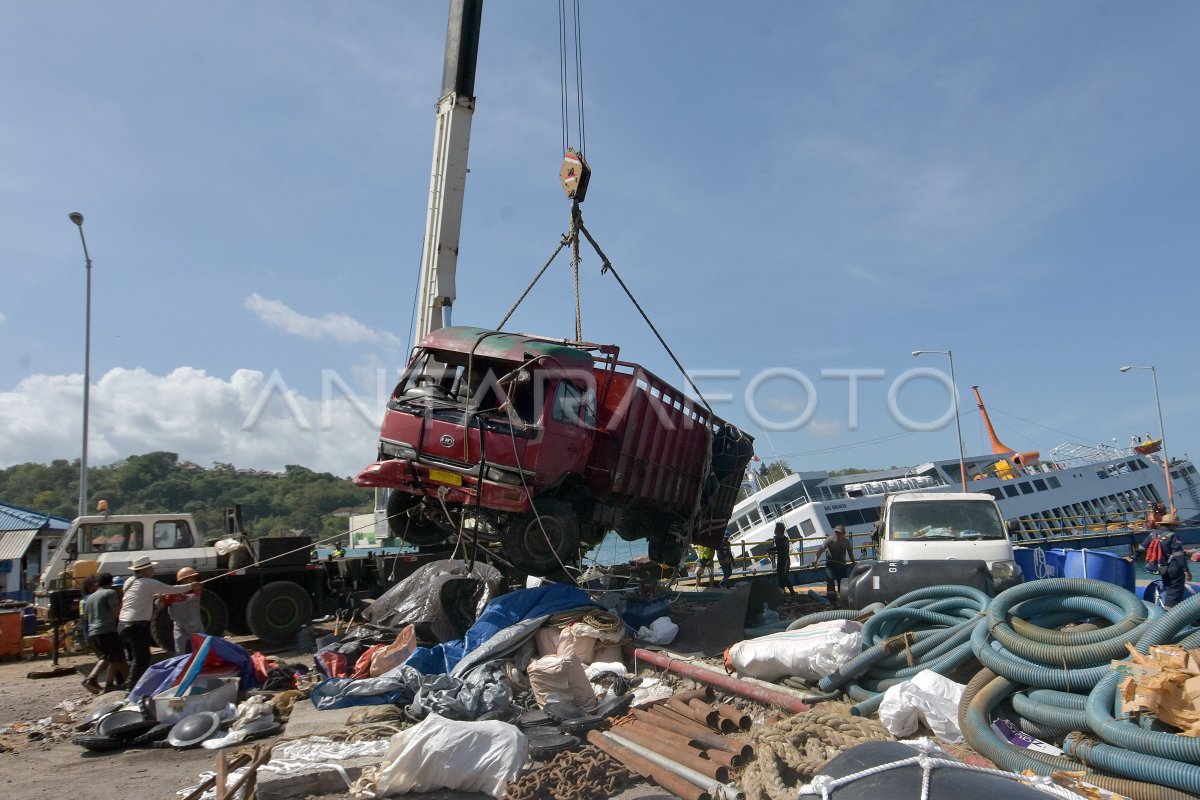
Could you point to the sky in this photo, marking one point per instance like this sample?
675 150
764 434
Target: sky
796 192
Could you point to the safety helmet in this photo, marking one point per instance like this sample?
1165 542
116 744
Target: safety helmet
186 574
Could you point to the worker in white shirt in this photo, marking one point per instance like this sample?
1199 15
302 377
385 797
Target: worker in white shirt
137 607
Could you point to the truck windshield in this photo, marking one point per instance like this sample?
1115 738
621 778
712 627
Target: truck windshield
942 519
445 380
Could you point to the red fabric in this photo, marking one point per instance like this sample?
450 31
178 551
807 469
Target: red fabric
335 664
362 668
261 667
172 599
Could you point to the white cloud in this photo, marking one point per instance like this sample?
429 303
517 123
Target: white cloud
824 427
202 417
339 327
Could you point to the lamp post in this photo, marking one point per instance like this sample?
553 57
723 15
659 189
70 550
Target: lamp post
1162 433
77 218
962 461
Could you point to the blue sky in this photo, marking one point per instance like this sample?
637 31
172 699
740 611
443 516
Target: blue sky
789 185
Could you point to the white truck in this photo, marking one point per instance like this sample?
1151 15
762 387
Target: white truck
267 587
930 538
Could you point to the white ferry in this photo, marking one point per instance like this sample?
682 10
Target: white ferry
1082 496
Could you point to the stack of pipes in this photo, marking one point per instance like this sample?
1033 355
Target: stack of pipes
687 744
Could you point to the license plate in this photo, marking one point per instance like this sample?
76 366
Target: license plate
442 476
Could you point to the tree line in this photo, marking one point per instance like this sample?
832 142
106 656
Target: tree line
273 503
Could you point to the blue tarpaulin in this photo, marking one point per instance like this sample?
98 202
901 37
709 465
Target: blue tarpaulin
503 612
165 674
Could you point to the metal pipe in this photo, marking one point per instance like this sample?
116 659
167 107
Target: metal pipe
740 719
674 738
759 694
700 712
713 787
685 755
699 736
677 785
730 760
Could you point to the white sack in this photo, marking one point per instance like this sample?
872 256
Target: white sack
440 753
929 698
809 653
661 631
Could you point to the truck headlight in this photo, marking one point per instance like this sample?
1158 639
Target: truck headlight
401 450
499 475
1003 570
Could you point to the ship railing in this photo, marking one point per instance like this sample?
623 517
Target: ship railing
1054 526
747 565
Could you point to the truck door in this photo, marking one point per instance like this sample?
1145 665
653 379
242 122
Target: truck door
568 428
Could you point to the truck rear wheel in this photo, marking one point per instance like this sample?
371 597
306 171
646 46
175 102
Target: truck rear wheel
538 543
277 610
406 521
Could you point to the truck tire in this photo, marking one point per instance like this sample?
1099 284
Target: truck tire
278 610
162 630
213 614
406 522
540 540
666 548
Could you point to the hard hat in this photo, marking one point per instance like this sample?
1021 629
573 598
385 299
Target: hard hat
119 581
1169 519
186 573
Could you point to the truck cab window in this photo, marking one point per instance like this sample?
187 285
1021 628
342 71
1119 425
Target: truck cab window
171 534
112 537
574 406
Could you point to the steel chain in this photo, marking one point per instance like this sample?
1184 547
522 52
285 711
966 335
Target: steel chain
577 775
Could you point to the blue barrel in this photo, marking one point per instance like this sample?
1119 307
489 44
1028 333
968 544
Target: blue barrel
29 621
1037 563
1100 566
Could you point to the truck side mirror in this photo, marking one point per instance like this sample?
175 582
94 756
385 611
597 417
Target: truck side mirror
1013 527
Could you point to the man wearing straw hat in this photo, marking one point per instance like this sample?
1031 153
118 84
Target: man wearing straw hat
137 607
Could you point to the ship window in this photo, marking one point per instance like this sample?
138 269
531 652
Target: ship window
1101 473
1039 484
1053 481
1025 487
1010 490
807 527
793 532
996 493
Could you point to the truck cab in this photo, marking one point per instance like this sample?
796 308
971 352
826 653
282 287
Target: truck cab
927 538
111 541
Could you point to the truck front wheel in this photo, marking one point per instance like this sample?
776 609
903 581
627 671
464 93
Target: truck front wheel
277 610
406 521
541 539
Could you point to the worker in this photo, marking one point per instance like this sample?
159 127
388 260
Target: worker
782 549
704 563
339 551
100 621
839 559
184 610
725 559
137 607
1175 573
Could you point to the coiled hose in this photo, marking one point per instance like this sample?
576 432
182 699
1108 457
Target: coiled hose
929 628
984 692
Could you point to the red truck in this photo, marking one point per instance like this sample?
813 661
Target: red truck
545 445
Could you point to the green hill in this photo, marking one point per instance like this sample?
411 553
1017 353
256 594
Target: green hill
272 502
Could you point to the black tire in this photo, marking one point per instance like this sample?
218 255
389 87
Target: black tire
278 610
666 548
539 543
162 630
213 613
406 521
100 743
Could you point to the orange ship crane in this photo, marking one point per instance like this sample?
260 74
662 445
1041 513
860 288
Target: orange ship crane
1015 462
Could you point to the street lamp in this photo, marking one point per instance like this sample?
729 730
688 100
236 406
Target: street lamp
1162 433
962 461
77 218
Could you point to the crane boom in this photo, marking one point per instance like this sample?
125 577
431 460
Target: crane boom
447 182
